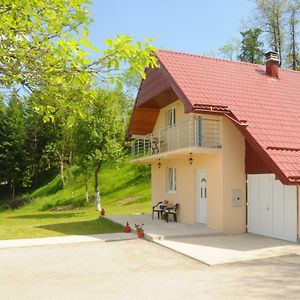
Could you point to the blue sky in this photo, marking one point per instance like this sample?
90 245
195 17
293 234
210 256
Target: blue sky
196 26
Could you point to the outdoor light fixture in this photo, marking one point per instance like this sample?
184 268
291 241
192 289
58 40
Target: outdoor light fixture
159 163
191 159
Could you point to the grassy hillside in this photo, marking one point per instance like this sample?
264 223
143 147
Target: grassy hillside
52 211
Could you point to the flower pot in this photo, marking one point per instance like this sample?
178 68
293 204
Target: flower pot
140 234
126 229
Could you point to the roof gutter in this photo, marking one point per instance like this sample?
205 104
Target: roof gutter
210 108
221 110
294 179
238 122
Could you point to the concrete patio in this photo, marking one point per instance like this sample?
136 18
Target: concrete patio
209 246
216 250
158 229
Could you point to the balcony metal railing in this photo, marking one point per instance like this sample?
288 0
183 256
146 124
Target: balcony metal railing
195 132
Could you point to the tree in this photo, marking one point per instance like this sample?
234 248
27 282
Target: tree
251 46
14 156
100 136
271 16
45 47
38 40
61 119
44 42
293 22
2 134
40 135
230 49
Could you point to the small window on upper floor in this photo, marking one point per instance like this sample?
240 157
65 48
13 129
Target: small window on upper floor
171 117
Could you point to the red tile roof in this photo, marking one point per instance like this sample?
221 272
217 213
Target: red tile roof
271 107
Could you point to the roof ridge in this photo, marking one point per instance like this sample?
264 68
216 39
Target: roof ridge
210 57
222 59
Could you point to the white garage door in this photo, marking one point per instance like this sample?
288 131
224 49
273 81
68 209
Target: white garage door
272 207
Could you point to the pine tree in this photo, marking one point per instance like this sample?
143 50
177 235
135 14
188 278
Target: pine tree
251 46
14 156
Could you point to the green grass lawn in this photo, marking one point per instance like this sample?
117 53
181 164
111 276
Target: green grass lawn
54 212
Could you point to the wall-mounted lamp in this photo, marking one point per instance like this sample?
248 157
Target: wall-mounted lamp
191 159
159 163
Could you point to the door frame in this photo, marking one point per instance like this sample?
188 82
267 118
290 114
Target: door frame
284 209
201 173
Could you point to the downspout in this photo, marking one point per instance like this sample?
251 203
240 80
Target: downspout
298 195
247 202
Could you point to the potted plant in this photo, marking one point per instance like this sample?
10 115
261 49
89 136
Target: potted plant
139 230
127 228
101 213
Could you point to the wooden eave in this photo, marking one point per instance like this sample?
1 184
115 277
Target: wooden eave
157 91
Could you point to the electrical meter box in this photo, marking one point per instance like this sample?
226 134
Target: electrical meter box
236 198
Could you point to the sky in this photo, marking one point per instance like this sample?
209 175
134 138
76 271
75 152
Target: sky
194 26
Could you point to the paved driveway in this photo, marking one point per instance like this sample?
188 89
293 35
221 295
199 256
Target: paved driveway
138 269
207 245
223 249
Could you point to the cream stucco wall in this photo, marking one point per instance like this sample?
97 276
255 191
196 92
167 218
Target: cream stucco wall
225 172
181 116
186 190
298 187
234 178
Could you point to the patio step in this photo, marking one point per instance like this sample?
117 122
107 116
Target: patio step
158 237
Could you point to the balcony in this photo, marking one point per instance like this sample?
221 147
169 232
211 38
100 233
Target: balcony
195 134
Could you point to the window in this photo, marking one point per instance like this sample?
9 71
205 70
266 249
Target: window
171 117
172 180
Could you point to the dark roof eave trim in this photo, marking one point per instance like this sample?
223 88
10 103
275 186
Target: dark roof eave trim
241 125
265 156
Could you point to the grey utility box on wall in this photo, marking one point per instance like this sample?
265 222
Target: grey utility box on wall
236 198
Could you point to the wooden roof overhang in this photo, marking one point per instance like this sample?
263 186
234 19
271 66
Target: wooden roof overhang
156 91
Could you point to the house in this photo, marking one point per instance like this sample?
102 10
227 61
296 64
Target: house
223 141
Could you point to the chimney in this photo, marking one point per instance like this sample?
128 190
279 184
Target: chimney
272 64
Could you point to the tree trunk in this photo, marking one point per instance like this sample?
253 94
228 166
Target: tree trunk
86 178
70 158
13 190
279 43
294 57
293 24
61 167
86 192
36 169
97 194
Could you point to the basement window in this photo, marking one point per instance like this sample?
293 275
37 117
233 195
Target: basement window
172 180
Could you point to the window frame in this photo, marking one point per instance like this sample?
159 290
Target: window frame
171 180
171 117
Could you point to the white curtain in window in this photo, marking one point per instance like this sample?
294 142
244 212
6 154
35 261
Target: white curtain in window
171 117
172 179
